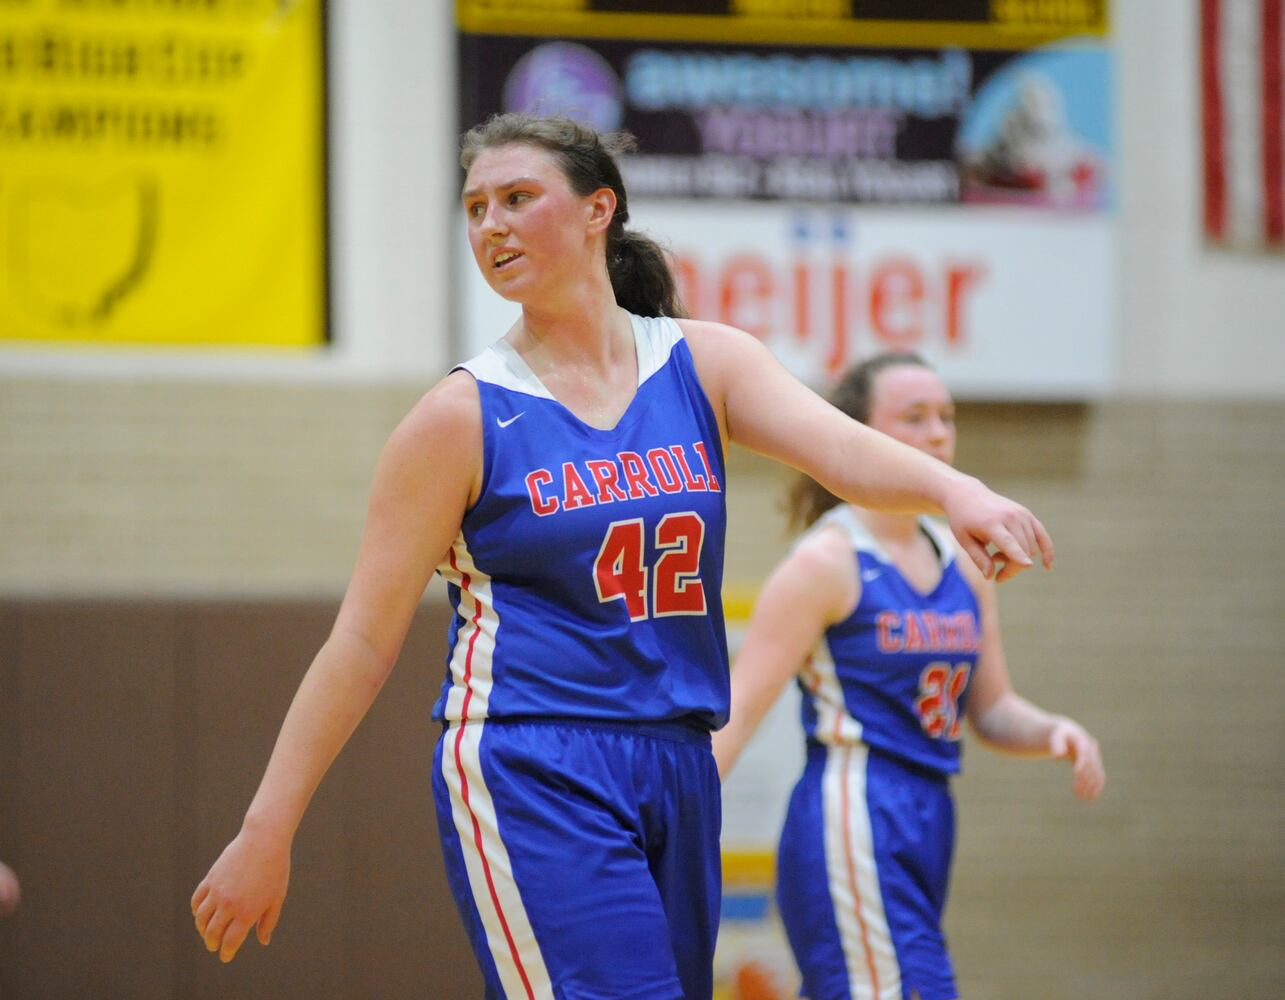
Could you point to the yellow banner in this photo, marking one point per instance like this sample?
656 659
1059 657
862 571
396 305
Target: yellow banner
162 172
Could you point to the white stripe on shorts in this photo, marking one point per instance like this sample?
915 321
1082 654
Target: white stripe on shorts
873 972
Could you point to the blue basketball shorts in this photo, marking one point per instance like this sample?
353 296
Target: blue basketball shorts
862 872
583 856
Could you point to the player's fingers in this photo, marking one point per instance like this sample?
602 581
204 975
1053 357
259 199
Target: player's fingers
232 938
1088 784
1006 569
1023 532
1089 776
268 923
1012 549
978 554
214 929
204 912
199 895
1044 542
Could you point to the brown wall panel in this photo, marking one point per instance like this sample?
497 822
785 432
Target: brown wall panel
136 734
94 802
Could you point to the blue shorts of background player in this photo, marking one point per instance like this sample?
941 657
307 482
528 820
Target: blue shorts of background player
862 895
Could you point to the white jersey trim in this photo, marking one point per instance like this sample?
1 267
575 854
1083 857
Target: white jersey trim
835 725
473 655
846 519
500 364
509 935
654 340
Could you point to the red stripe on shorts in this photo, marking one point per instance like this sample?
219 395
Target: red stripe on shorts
459 767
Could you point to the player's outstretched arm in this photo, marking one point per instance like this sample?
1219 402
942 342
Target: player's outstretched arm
425 480
766 409
813 587
1008 722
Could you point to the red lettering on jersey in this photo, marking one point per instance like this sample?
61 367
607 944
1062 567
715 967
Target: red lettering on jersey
958 681
709 469
636 476
949 639
914 642
605 477
961 633
575 494
933 627
666 473
534 480
888 622
694 484
931 703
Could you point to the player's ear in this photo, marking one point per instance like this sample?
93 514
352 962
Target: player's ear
602 208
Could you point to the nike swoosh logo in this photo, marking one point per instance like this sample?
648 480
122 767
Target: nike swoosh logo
870 575
505 423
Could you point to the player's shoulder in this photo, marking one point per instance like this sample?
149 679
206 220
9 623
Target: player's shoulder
704 333
822 559
448 416
819 574
723 354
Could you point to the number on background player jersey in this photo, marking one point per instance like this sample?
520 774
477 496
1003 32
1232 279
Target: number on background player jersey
620 572
940 687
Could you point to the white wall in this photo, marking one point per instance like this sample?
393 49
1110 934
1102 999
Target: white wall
1192 322
393 161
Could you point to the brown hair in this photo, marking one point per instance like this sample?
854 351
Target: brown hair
640 275
807 499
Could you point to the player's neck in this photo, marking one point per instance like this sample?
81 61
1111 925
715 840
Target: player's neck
586 331
897 529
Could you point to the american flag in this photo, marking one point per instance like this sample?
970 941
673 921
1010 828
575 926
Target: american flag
1241 48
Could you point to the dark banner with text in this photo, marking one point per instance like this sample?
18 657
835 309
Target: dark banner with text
879 124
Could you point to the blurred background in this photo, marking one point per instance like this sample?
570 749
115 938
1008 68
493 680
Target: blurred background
231 259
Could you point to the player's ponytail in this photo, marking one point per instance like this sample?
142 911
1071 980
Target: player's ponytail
639 272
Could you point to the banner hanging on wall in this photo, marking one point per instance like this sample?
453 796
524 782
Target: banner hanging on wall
162 175
839 184
987 108
1006 305
1242 90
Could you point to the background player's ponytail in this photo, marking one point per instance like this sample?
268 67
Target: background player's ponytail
640 274
807 499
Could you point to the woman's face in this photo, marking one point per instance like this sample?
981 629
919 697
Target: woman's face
912 404
528 230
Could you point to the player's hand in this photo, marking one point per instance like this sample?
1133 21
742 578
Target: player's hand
1000 536
1071 741
246 886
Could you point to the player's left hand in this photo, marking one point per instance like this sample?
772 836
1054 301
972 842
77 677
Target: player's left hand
1071 741
1002 537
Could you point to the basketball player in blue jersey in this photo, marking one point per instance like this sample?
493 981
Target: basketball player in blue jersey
569 485
894 640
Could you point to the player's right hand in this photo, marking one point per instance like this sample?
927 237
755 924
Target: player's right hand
246 886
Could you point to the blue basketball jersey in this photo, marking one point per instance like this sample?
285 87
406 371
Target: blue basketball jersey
894 674
587 578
